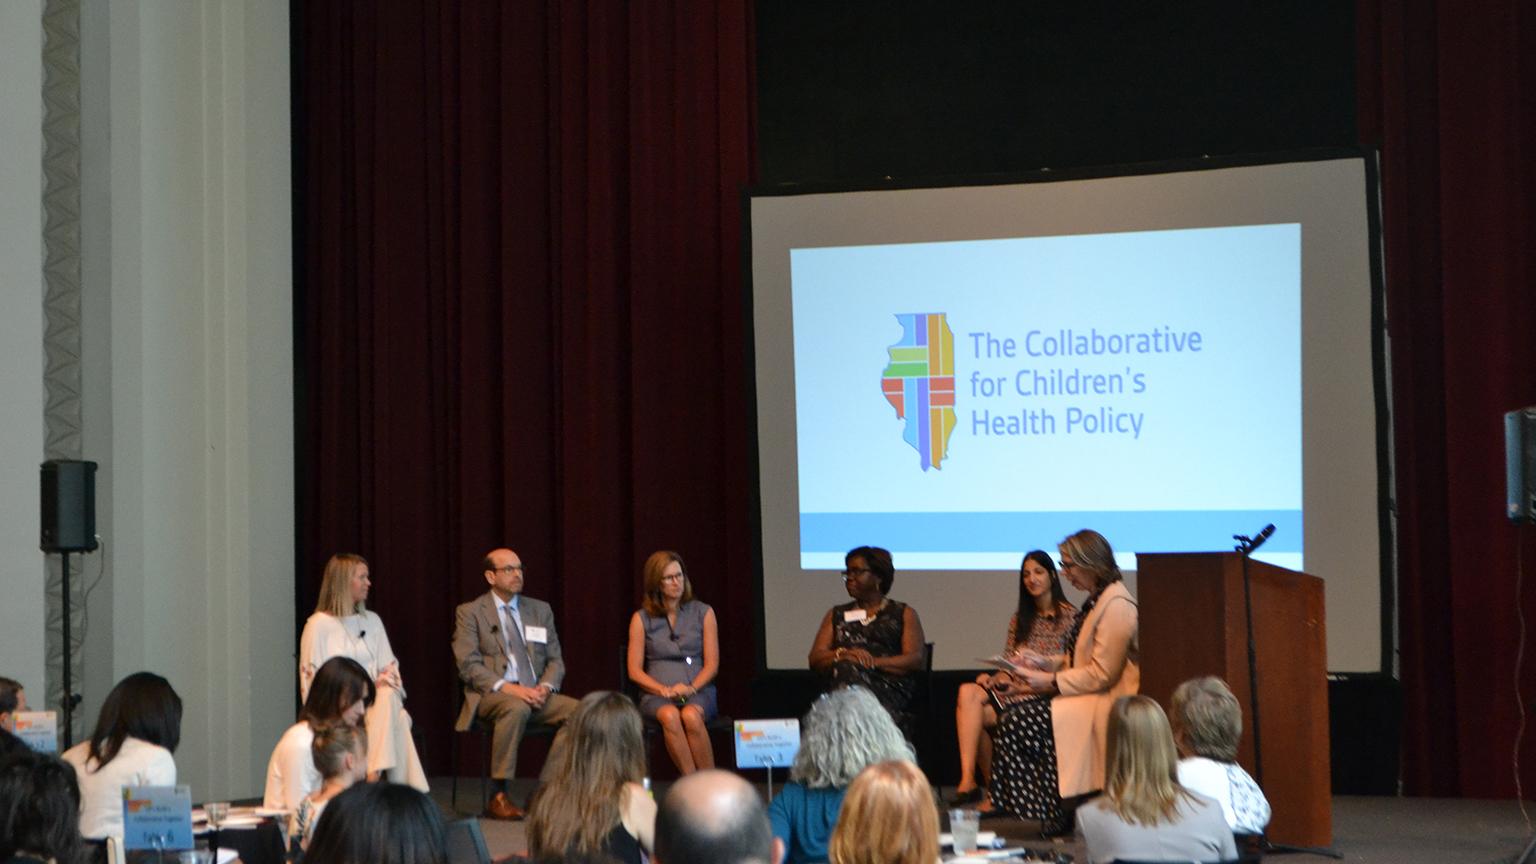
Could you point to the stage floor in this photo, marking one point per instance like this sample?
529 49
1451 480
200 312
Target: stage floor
1369 830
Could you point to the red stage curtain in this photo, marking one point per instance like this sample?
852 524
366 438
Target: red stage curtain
522 314
1446 91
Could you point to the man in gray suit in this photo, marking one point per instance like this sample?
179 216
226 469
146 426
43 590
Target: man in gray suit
509 661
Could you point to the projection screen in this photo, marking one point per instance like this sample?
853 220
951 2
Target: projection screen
963 374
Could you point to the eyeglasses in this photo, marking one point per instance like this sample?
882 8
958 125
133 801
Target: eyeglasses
1068 565
857 571
508 569
676 577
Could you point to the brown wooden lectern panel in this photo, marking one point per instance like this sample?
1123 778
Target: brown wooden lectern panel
1192 623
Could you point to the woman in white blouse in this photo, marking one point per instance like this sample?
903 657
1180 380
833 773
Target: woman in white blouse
343 627
136 733
339 696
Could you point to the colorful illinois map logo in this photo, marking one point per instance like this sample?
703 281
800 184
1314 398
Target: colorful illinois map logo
920 383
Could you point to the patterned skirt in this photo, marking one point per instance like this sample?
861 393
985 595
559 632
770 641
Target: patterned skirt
1024 763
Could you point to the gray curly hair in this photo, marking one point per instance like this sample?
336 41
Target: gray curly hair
843 733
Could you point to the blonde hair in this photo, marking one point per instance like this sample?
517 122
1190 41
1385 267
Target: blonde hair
332 744
1090 551
655 566
578 803
336 586
1141 778
1207 720
887 817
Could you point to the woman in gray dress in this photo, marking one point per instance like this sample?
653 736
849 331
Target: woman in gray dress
674 653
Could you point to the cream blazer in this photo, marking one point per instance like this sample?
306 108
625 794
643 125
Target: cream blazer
1105 666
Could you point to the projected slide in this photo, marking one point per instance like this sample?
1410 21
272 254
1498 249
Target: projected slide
952 398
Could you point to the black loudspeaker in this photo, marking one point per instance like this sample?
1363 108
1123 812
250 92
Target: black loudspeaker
69 506
1520 463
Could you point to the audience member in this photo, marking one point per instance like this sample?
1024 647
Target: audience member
136 734
12 700
888 817
510 663
10 746
379 823
1144 814
39 811
843 733
341 755
591 802
674 653
340 694
342 626
1207 726
714 817
872 641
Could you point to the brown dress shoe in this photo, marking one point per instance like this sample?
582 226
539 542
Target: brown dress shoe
501 807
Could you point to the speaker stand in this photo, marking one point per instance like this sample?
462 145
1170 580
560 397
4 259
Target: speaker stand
67 701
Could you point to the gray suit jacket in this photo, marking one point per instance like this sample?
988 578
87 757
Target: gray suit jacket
481 657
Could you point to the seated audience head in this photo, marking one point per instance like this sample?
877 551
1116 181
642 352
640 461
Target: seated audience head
340 750
378 823
341 693
10 745
715 817
1088 561
887 817
142 706
12 699
1141 777
1207 721
344 588
846 731
39 809
600 750
655 571
877 560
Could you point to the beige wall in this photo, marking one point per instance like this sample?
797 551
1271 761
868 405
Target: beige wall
187 363
22 576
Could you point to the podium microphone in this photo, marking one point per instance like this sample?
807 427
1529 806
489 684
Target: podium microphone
1246 544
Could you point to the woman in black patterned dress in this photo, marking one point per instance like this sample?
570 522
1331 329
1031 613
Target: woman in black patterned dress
872 641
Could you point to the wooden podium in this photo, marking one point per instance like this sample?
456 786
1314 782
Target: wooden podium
1192 623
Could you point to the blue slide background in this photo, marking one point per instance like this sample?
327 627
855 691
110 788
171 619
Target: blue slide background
1219 449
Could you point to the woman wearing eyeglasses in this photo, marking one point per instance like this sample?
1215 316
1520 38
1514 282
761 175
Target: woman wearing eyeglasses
1049 749
872 641
674 653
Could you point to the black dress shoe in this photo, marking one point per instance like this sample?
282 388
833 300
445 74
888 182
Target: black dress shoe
970 796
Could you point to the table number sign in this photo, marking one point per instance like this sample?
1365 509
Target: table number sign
157 817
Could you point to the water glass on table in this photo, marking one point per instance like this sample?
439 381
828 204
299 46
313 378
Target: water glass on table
963 827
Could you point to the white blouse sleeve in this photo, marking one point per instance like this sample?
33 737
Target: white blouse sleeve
324 637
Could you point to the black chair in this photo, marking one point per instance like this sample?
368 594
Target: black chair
924 698
721 723
480 727
465 843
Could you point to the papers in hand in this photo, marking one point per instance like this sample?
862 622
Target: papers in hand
1000 661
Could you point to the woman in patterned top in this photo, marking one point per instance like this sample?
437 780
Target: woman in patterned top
340 752
1207 726
873 641
1043 618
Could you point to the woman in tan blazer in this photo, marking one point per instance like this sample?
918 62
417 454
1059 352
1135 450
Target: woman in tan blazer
1050 749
